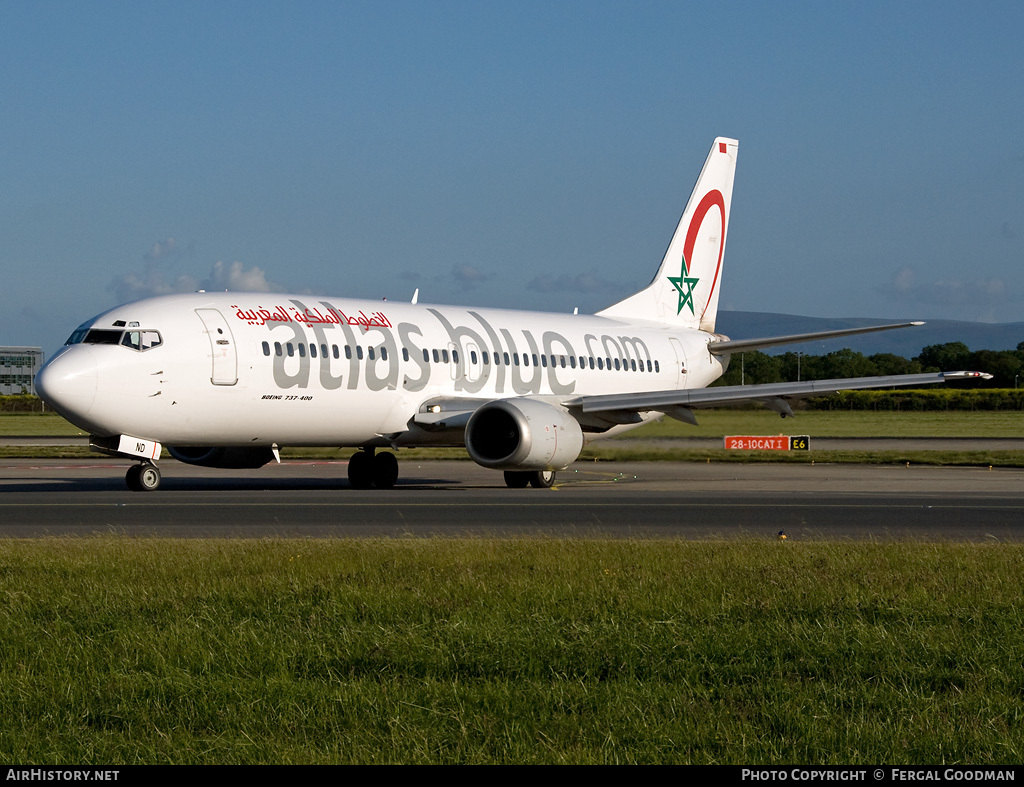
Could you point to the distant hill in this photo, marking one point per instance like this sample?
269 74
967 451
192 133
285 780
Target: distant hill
904 341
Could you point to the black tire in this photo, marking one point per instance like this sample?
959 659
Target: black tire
542 479
385 471
516 479
360 470
143 478
149 478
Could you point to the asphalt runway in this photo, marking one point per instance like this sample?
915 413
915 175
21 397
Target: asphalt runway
817 443
446 498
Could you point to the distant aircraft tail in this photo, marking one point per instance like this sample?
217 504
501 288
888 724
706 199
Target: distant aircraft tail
685 290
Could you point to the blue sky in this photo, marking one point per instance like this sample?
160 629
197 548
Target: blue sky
512 154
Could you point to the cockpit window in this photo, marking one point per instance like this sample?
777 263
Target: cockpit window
100 336
77 336
136 340
141 340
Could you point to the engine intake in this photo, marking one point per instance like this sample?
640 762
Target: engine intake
523 434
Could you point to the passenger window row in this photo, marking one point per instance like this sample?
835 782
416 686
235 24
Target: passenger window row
445 356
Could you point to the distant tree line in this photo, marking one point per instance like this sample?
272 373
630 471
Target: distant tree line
1005 366
21 403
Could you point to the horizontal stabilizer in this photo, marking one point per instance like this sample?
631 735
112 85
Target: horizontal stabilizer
727 346
733 394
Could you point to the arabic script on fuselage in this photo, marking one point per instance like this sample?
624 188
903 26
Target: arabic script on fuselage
262 316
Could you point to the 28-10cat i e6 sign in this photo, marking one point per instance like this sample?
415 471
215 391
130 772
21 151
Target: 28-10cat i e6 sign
769 443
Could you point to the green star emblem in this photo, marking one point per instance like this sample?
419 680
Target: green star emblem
684 285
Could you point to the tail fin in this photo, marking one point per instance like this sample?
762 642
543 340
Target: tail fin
684 293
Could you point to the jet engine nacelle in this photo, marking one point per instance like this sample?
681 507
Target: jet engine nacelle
523 434
229 458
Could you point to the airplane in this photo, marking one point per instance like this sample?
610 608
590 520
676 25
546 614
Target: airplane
228 379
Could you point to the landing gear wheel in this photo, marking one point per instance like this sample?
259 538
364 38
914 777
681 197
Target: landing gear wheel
143 478
542 479
517 479
360 470
385 471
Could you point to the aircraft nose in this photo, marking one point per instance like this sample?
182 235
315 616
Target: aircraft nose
67 382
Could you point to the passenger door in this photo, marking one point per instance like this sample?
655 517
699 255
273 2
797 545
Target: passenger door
222 347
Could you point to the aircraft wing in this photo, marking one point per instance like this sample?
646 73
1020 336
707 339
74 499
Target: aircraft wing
451 414
774 395
726 346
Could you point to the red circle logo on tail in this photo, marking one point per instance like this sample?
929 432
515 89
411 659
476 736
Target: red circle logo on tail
684 283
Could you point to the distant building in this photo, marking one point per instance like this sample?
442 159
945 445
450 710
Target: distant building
18 367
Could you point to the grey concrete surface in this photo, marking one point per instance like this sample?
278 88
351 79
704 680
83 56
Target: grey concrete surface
642 499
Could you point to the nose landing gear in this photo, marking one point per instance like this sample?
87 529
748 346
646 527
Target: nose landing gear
144 477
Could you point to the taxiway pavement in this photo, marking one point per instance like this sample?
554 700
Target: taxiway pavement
458 498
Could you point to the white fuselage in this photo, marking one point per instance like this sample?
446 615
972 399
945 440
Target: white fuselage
252 369
225 379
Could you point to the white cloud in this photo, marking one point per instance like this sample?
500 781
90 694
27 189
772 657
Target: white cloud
162 249
132 286
152 281
903 280
468 277
236 277
981 298
582 283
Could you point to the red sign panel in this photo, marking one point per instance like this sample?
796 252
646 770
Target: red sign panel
767 443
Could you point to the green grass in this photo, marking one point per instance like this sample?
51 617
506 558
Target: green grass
716 423
634 453
510 651
37 425
713 423
661 453
841 423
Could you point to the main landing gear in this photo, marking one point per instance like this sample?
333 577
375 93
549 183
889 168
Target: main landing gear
538 479
366 469
143 477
